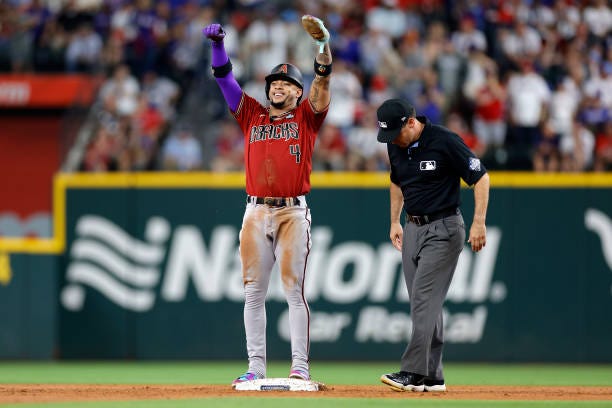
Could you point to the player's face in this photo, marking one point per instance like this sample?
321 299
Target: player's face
284 94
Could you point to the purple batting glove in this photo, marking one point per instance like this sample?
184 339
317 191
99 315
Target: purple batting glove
214 32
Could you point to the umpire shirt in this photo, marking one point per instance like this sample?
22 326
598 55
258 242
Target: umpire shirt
428 170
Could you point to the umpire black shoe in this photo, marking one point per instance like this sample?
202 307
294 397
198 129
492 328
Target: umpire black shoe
434 385
404 381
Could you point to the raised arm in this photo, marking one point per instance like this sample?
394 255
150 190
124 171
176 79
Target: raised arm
319 95
222 67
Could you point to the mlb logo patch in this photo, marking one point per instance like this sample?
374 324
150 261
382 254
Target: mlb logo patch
474 164
428 165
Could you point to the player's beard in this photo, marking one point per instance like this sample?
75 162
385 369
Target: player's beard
288 102
279 105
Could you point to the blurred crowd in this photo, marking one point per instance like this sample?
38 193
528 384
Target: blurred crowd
526 83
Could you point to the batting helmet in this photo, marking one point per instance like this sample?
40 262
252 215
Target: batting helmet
285 72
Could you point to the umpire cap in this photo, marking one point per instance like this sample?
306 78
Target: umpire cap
392 116
285 72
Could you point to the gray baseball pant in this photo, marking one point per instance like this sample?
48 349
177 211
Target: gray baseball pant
429 256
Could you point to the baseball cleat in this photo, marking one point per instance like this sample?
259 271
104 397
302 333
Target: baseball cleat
433 385
248 376
300 375
404 381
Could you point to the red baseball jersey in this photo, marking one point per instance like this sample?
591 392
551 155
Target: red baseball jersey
278 153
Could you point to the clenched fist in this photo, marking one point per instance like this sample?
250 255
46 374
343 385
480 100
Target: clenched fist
214 32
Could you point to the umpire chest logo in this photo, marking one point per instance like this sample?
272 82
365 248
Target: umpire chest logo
427 165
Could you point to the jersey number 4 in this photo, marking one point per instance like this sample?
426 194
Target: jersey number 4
295 150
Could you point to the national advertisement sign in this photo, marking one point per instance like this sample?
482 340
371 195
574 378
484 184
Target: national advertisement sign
154 273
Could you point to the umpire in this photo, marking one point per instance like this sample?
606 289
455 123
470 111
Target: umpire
427 162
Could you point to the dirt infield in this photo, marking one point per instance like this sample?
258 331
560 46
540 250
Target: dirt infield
45 393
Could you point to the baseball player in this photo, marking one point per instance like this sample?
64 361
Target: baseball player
279 142
427 163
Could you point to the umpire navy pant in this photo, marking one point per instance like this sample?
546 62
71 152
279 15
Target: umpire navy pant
429 256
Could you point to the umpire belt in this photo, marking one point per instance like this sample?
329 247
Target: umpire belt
274 201
426 219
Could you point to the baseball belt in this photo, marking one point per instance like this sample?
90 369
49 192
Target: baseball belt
274 201
426 219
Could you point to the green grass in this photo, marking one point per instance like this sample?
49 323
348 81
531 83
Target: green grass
328 372
84 372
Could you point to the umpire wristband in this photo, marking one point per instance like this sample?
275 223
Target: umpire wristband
223 70
322 70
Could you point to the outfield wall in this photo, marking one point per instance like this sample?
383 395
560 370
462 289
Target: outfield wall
151 271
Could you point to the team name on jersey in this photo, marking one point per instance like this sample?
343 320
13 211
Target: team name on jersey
282 131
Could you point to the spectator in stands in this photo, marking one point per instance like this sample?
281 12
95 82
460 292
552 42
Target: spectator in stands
84 50
161 92
520 43
120 92
598 17
451 69
182 151
435 41
330 149
348 96
412 66
603 148
17 30
593 112
547 156
101 153
299 46
599 85
564 104
477 65
364 151
346 43
577 149
73 15
528 102
184 52
456 124
432 100
141 47
566 40
265 41
387 18
468 37
559 126
50 48
378 91
379 46
147 126
122 22
489 120
256 87
229 148
113 53
37 13
567 18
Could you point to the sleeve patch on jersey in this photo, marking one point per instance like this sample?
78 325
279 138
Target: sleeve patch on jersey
474 164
